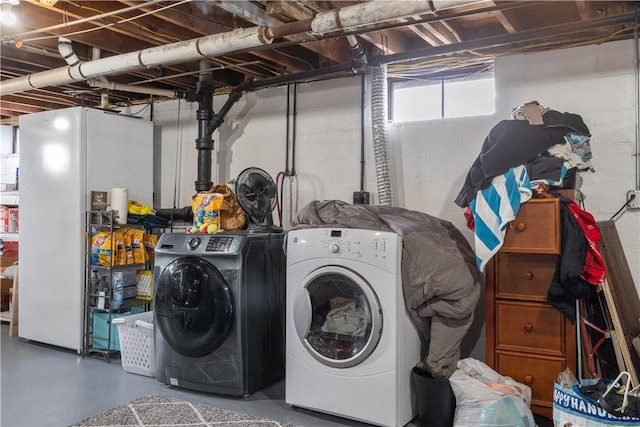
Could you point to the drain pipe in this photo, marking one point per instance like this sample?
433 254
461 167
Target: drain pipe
65 49
359 57
67 53
379 132
204 142
208 122
103 83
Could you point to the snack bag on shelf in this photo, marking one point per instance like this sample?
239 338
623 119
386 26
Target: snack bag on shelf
137 245
101 249
150 241
206 212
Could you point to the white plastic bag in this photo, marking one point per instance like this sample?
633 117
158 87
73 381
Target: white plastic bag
484 398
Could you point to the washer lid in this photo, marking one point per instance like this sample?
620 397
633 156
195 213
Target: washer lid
193 306
337 316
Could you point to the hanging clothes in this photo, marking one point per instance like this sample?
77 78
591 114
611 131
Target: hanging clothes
580 265
594 271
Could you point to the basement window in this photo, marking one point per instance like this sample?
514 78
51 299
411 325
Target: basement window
441 99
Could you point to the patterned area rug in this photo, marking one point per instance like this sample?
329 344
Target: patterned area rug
156 410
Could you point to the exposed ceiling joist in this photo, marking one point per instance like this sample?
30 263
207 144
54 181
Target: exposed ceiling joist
117 27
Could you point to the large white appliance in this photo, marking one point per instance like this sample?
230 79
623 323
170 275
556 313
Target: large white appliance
351 345
64 155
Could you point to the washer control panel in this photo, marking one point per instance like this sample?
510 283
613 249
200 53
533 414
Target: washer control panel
371 246
222 244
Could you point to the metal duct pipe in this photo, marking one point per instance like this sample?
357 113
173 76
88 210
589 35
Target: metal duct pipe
105 84
211 45
376 11
379 131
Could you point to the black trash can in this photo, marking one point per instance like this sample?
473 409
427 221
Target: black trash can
434 398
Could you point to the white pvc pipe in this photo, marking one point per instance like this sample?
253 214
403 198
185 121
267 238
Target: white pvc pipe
104 84
376 11
66 51
195 49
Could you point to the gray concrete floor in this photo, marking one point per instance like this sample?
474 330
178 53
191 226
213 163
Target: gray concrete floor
44 386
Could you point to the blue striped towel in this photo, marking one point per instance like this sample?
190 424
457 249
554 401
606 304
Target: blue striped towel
494 207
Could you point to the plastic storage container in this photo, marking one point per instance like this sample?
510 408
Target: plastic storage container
435 399
105 332
136 343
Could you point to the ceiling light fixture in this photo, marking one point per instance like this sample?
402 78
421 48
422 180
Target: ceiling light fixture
7 17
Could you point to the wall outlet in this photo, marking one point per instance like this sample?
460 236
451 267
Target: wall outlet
635 203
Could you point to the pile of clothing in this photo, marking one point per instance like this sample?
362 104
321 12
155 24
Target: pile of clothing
538 147
534 152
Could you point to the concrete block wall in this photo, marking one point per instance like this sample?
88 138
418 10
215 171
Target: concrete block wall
429 160
596 82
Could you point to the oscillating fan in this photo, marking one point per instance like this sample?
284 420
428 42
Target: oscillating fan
256 194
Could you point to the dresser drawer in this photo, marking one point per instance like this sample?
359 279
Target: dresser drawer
539 373
524 276
529 327
536 228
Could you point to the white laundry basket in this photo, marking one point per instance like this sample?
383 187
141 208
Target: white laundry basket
136 343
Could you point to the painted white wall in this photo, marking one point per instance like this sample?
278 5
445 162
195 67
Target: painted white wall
6 139
429 160
596 82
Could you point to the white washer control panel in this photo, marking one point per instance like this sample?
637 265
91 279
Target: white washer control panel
370 246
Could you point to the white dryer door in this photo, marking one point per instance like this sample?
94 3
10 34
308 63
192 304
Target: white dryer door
337 316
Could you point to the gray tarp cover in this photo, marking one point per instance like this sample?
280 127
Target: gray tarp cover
440 279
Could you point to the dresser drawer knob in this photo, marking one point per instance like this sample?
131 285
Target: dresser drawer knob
521 226
528 379
528 275
528 327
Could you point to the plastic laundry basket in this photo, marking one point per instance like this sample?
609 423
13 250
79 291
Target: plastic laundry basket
136 343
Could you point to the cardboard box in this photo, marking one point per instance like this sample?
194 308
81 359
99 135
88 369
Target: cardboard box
4 219
5 284
571 408
9 250
14 220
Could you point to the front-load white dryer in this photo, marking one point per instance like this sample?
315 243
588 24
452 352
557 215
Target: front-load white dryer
351 345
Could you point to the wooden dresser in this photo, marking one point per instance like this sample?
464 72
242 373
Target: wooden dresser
528 339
